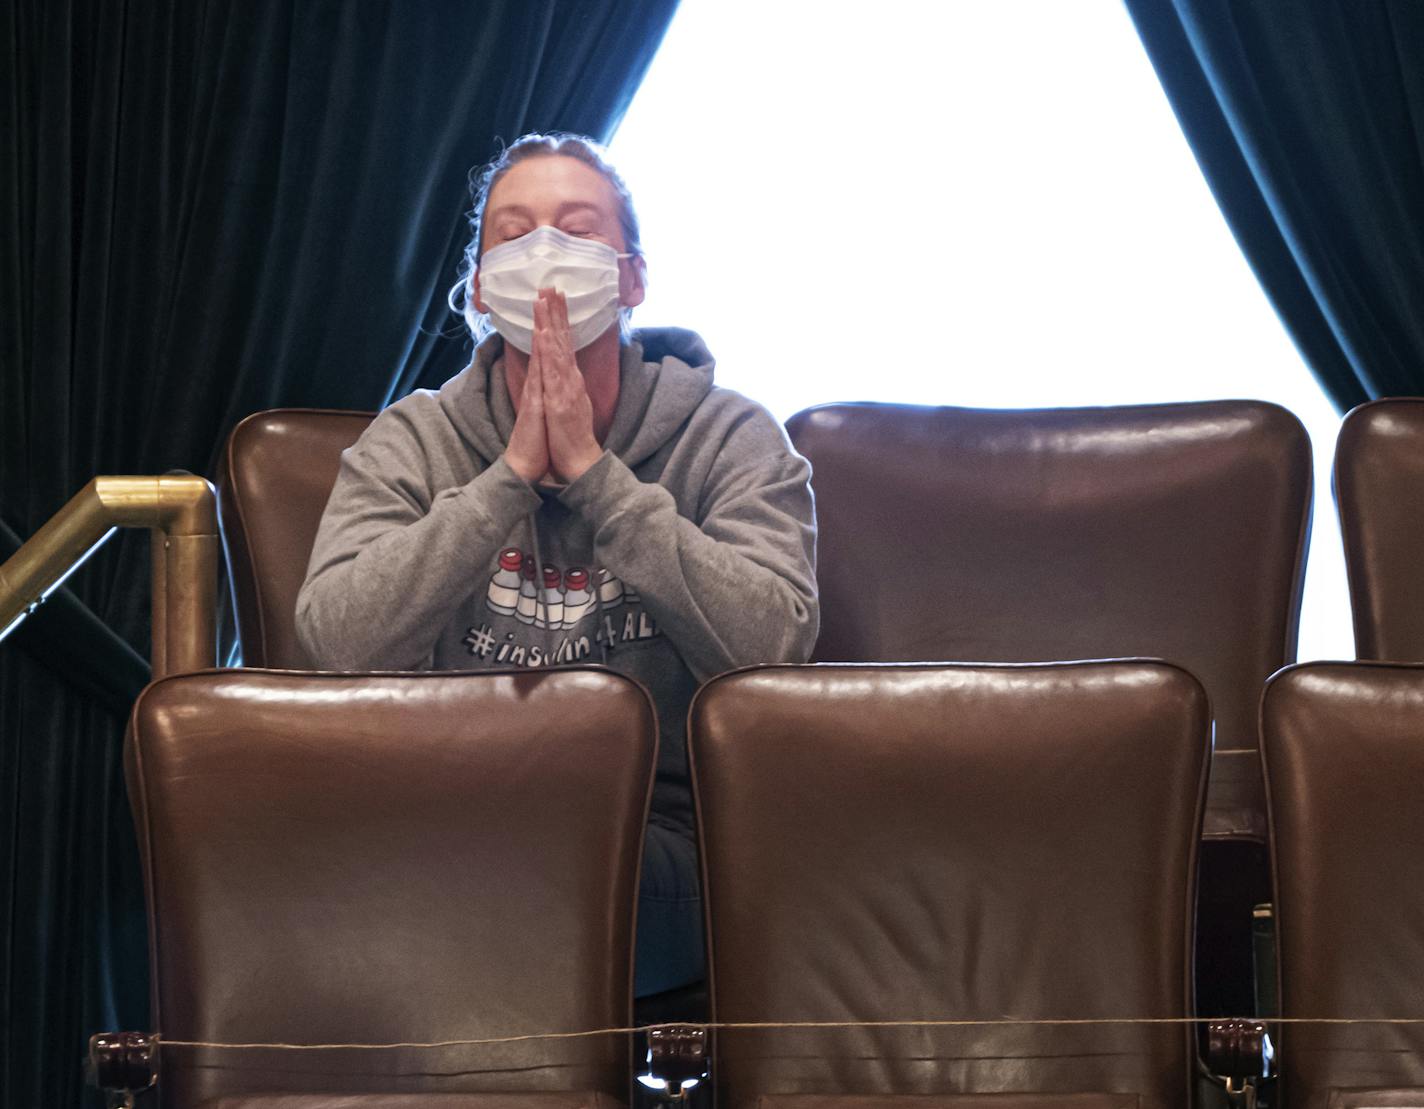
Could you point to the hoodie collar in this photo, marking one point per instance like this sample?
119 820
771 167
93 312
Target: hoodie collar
664 374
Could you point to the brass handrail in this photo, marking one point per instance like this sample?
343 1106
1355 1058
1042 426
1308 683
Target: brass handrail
181 511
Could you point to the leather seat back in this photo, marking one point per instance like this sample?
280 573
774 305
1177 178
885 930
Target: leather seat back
1171 531
955 842
1379 490
1343 746
273 484
416 1101
384 859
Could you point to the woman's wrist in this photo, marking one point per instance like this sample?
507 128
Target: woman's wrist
530 470
581 463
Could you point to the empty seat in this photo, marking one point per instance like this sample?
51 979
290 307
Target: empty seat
1172 531
1379 490
274 480
957 842
1344 756
347 859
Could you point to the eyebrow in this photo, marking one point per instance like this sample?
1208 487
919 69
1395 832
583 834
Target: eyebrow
579 205
508 210
563 209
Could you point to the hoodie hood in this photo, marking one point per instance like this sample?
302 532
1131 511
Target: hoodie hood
664 374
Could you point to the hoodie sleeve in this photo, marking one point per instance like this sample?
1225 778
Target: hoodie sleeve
394 558
735 586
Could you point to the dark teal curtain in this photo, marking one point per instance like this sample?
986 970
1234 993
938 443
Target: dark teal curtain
1308 121
207 208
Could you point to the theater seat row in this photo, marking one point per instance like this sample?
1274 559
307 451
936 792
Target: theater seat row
420 859
1167 531
1171 531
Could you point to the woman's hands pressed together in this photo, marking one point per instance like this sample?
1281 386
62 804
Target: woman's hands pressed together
553 430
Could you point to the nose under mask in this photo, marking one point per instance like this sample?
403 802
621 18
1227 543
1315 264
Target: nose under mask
586 272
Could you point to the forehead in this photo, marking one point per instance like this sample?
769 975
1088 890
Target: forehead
546 181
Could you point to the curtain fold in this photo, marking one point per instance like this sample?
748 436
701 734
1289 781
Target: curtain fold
1308 124
208 208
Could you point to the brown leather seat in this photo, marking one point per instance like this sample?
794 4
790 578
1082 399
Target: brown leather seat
413 1101
389 859
1172 531
1379 489
952 842
273 483
1343 746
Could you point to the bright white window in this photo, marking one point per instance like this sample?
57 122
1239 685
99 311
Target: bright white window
951 203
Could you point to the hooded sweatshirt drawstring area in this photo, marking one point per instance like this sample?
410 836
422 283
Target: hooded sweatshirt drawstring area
541 593
686 550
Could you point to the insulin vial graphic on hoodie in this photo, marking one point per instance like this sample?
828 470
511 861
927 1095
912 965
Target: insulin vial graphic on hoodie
686 550
544 598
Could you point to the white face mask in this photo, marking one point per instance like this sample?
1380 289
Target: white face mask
585 271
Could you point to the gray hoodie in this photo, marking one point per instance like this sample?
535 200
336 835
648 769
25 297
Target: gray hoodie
688 549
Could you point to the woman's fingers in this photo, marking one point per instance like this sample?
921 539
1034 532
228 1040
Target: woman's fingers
528 449
542 338
541 324
534 384
551 320
534 379
562 330
568 412
560 306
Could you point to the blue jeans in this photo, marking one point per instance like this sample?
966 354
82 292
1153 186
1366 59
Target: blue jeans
670 951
